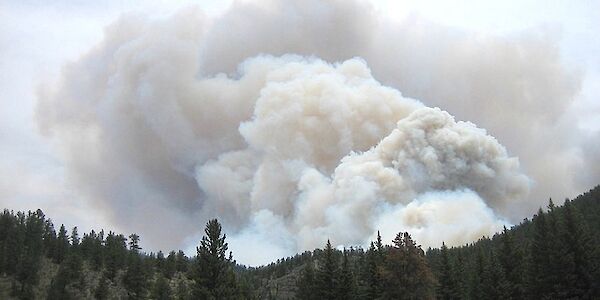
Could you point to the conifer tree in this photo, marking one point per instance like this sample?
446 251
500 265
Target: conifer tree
69 274
135 276
170 266
493 282
213 274
74 238
447 287
62 246
540 267
406 274
372 289
101 291
327 274
580 275
31 255
511 262
346 286
306 285
161 290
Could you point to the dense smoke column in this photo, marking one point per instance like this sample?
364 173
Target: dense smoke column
185 119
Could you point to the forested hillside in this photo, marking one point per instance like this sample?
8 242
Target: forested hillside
554 255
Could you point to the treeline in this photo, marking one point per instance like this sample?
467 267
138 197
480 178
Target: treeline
36 262
555 255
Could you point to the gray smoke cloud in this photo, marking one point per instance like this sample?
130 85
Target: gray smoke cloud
292 136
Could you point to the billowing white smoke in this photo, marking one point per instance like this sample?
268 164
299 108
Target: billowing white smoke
289 150
301 169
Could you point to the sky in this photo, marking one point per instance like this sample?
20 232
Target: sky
528 72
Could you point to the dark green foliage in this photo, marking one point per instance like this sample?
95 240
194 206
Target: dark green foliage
101 291
69 274
555 255
62 245
346 288
135 279
511 261
213 271
326 279
447 282
30 255
406 273
307 284
372 281
161 290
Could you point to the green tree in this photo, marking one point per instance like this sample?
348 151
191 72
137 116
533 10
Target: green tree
306 284
31 256
511 261
447 285
101 291
580 274
135 276
69 274
346 286
213 274
327 274
62 245
372 278
162 290
406 274
541 285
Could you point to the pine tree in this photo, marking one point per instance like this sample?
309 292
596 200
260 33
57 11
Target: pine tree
406 274
447 288
540 270
372 288
135 276
115 254
346 286
75 238
306 284
511 262
62 245
493 283
580 276
69 274
213 274
161 290
31 256
101 291
170 266
327 274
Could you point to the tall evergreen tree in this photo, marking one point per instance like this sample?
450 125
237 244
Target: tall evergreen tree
307 289
371 274
62 245
511 261
406 274
580 277
161 290
135 279
327 274
31 256
101 291
346 287
541 285
447 286
213 274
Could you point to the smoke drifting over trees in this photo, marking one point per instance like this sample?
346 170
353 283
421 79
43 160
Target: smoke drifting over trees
314 129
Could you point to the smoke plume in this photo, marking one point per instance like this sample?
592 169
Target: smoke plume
294 136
